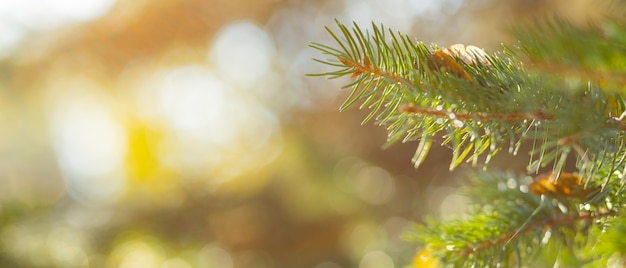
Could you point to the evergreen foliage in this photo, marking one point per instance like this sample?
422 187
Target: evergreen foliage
561 88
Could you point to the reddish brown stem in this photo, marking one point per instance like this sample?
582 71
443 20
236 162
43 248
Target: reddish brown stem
549 223
366 67
411 109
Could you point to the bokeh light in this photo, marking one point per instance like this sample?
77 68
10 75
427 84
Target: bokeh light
20 17
67 248
211 128
137 253
400 14
376 259
89 141
214 256
243 53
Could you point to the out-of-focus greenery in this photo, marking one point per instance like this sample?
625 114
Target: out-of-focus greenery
186 134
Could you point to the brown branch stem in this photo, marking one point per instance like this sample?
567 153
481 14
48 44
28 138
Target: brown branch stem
411 109
548 223
366 67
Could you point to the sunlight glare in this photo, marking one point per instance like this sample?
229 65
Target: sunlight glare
45 14
396 14
88 140
18 17
192 98
243 52
212 126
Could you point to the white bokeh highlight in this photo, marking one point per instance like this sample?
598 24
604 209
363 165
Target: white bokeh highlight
398 14
19 17
212 126
89 141
243 53
192 100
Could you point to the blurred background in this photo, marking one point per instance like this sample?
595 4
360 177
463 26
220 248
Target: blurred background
184 133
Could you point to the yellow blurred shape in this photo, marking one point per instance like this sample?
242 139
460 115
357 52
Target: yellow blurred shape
424 259
141 162
148 179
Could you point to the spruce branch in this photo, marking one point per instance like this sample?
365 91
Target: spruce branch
511 216
481 103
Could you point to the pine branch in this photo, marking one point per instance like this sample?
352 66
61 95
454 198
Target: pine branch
512 217
482 103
